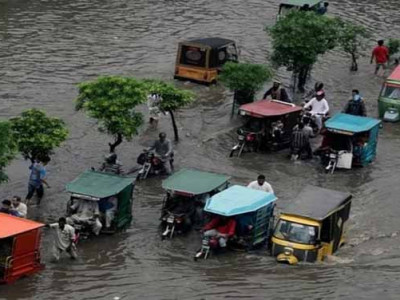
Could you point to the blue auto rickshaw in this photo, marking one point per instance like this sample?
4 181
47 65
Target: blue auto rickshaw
349 141
251 211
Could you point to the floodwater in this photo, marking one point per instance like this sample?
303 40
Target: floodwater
48 46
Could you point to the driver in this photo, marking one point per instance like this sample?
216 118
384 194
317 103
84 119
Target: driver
163 149
221 228
87 211
277 92
319 107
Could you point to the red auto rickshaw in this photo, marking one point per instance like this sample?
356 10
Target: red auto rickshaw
19 247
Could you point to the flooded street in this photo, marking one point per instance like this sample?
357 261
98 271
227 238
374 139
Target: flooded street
49 46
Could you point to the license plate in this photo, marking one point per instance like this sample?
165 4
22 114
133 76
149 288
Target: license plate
241 137
332 156
170 219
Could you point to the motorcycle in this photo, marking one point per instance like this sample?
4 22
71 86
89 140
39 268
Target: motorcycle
245 140
172 222
152 164
332 158
207 244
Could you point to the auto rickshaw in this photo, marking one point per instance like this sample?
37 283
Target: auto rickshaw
389 98
251 211
287 5
111 193
201 60
348 141
268 126
187 192
19 247
311 227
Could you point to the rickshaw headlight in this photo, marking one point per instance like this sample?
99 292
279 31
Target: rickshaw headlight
288 251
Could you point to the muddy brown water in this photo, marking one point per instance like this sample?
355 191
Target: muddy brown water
48 46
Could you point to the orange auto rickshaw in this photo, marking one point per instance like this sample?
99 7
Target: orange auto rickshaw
19 247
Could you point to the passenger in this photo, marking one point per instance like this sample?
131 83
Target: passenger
381 55
323 9
261 185
19 207
87 212
111 165
301 140
64 239
36 179
163 149
319 108
277 92
7 209
221 228
355 106
108 207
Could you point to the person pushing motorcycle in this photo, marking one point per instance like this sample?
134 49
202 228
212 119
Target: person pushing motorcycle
163 148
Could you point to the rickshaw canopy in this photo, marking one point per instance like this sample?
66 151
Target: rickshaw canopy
395 76
213 42
238 200
316 203
194 182
350 124
300 3
268 108
98 184
12 226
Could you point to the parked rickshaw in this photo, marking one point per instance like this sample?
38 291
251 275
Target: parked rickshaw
311 227
201 60
349 141
287 5
112 195
389 98
268 126
19 247
186 195
250 210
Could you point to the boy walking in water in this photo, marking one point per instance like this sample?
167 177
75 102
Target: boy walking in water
381 55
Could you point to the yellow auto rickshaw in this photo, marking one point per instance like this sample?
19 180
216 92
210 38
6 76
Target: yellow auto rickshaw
200 60
312 227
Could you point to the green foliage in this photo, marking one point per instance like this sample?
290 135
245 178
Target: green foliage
300 37
172 97
112 101
7 148
352 37
244 76
36 134
394 46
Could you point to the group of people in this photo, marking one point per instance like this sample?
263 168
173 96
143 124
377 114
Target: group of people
14 207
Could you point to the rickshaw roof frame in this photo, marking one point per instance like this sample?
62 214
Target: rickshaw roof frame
12 226
395 75
268 108
194 182
300 3
98 184
343 123
316 203
237 200
212 42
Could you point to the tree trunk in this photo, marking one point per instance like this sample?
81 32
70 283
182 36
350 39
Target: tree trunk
303 73
354 65
174 125
117 141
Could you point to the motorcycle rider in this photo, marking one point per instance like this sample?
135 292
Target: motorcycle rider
355 106
319 108
163 148
319 86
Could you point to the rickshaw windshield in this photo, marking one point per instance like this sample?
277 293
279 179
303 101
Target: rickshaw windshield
295 232
194 56
392 92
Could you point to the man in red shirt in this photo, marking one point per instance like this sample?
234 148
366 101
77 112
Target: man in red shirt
381 54
222 228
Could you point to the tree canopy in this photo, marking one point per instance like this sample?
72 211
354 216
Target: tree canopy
36 134
7 148
112 101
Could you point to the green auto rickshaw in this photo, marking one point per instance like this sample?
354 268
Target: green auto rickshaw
287 5
389 98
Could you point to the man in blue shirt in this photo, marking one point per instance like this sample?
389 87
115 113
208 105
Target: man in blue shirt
36 179
6 208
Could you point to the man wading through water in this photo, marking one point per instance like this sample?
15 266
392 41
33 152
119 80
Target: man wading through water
277 92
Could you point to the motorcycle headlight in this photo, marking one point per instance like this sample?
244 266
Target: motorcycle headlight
288 251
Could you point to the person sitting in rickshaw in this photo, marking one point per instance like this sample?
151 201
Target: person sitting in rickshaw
319 108
108 208
276 92
222 228
86 212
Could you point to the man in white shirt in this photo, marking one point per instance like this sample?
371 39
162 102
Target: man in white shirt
261 185
64 239
19 207
319 107
87 211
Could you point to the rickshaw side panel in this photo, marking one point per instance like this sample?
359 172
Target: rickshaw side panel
262 225
124 214
369 151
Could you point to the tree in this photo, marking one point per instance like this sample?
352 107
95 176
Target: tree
299 38
394 46
36 134
172 98
112 101
7 148
352 39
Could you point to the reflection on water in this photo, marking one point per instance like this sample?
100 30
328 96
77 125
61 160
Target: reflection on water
49 46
